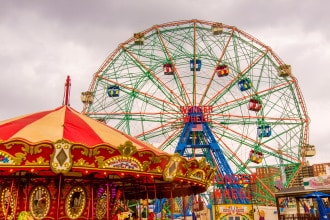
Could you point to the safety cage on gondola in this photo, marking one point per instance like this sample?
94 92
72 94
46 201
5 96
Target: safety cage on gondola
195 65
255 104
168 69
256 156
284 70
264 130
308 150
138 38
87 97
113 91
217 28
244 84
222 70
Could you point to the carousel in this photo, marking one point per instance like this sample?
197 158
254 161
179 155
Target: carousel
60 164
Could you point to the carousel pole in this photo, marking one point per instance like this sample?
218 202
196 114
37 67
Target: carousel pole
172 204
92 199
147 211
88 208
17 193
139 210
184 207
124 199
9 199
108 199
155 193
59 196
27 193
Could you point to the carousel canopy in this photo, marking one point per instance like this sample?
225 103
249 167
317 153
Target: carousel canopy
67 124
64 142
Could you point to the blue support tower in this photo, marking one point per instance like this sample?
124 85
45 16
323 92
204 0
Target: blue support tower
197 140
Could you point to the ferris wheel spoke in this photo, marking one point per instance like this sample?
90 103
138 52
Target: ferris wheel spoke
208 85
170 61
157 135
181 52
231 130
171 140
150 75
143 96
165 124
267 97
194 63
241 165
277 100
232 83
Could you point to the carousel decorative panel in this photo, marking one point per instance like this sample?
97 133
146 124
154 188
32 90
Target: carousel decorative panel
75 202
39 202
8 203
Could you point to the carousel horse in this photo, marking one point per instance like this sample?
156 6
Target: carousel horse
124 215
24 215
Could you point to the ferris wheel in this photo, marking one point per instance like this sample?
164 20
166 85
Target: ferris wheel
183 86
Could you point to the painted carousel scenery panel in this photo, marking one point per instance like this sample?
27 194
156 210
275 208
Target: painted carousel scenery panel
39 202
8 203
75 202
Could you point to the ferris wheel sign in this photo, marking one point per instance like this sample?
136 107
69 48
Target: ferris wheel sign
196 113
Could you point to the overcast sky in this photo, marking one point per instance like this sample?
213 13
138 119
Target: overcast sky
43 41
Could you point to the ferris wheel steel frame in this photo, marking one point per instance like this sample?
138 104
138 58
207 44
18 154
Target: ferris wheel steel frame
150 102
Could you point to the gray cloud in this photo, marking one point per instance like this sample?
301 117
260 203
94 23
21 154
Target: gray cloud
44 41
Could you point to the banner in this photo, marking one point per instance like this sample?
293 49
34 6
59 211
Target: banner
233 211
317 182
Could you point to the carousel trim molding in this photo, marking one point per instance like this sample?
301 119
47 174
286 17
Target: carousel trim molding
170 171
61 159
127 149
123 162
40 161
6 159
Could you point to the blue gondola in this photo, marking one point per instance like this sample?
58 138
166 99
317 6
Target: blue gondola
264 130
195 65
113 91
244 84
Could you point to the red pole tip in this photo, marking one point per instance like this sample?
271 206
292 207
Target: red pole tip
67 91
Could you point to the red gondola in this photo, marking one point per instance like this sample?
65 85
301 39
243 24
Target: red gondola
168 69
222 70
255 105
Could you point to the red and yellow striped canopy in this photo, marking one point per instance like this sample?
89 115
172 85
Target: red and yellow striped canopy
68 124
63 141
